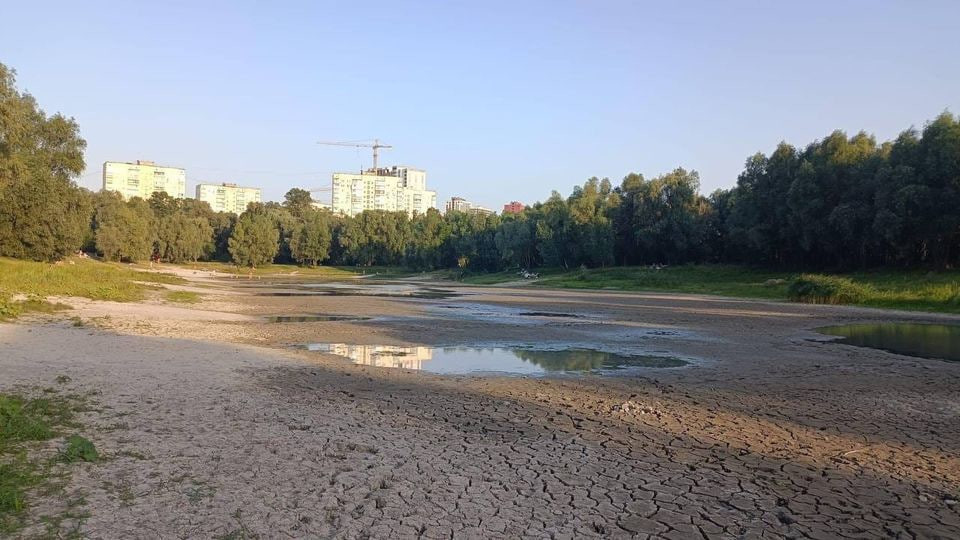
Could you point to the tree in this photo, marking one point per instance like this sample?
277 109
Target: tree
298 202
43 214
254 240
122 231
310 242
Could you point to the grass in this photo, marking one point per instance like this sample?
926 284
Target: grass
74 277
11 309
183 297
272 269
891 289
25 422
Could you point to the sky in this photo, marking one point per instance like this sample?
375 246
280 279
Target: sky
496 100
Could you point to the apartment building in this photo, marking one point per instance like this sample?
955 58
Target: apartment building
144 178
459 204
514 207
226 197
395 189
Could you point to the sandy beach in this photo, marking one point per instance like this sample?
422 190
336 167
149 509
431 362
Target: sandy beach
216 422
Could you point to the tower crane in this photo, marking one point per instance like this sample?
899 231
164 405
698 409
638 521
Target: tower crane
375 145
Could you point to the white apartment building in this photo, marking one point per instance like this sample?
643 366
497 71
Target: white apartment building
227 197
459 204
397 189
144 178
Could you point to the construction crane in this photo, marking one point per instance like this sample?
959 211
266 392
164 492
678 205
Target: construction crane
362 144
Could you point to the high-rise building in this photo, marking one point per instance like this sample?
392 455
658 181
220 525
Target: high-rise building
459 204
144 178
397 189
227 197
515 207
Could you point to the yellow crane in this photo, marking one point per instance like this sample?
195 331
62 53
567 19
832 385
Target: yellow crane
375 144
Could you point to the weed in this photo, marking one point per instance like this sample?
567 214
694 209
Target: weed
63 379
79 448
821 289
183 297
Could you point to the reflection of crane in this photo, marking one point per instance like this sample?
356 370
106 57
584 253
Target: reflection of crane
362 144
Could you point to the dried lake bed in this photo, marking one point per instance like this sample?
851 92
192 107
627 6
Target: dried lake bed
606 414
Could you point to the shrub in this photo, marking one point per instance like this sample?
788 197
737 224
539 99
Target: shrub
820 289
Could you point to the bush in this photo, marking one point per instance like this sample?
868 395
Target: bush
820 289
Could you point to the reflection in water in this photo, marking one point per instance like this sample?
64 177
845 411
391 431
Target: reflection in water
589 360
378 355
463 360
924 340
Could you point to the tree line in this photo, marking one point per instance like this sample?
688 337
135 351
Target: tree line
838 203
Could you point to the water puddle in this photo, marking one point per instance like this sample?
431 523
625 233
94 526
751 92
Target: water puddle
941 341
313 318
387 290
495 360
494 313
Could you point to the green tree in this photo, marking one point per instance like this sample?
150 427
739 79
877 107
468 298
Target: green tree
122 231
43 214
310 242
254 240
298 202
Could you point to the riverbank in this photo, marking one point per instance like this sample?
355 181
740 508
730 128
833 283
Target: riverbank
217 422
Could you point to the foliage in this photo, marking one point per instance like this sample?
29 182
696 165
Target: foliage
254 240
79 448
311 240
820 289
44 214
122 231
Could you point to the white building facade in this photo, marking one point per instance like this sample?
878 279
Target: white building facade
227 197
144 178
397 189
459 204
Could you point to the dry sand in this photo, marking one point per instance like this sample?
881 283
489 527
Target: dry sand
214 424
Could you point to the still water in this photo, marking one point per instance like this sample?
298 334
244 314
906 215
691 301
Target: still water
477 360
941 341
313 318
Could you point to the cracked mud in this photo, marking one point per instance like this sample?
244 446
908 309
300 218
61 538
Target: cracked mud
225 429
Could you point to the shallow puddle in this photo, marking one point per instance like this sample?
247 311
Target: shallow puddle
941 341
313 318
494 360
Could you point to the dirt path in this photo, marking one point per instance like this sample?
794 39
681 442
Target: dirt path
214 425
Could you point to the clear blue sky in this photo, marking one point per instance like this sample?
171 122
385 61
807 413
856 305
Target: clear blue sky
496 100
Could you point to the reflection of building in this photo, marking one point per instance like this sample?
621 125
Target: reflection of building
397 189
515 207
459 204
379 355
144 178
227 197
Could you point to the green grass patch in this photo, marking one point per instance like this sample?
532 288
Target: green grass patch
821 289
272 269
74 277
79 449
24 422
183 297
891 289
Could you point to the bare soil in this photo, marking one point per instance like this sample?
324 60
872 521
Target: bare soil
215 424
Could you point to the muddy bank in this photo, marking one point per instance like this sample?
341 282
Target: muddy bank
774 431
